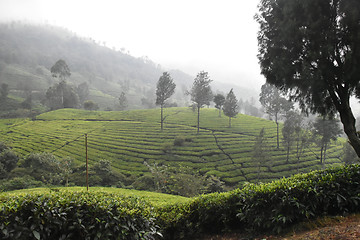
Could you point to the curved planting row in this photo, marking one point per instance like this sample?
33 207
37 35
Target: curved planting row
129 138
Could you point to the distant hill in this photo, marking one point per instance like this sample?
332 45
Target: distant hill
28 51
130 138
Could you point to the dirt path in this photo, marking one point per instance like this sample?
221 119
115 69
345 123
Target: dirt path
339 228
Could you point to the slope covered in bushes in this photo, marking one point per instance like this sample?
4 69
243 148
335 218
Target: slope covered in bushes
130 138
271 207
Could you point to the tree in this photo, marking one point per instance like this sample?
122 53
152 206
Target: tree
201 93
260 151
90 105
165 88
44 167
4 91
61 95
230 106
310 49
219 101
326 129
60 70
303 140
292 126
123 101
9 159
83 91
274 105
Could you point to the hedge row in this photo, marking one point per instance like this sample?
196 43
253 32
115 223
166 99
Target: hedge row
270 207
75 215
257 208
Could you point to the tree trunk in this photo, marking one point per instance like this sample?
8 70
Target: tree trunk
321 153
287 153
348 121
162 119
229 122
277 135
324 155
198 120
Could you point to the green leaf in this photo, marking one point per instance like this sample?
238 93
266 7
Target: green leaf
36 234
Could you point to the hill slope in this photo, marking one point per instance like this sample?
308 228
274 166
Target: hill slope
129 138
28 51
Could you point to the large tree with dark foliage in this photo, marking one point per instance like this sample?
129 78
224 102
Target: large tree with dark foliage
201 93
310 49
165 88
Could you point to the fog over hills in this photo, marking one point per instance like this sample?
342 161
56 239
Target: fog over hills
27 52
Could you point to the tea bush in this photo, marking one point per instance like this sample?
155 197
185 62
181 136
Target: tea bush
266 207
75 215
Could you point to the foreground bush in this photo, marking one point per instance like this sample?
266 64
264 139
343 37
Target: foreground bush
266 207
75 215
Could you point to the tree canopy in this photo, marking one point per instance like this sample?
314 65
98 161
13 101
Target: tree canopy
165 88
274 104
219 101
60 70
310 49
201 93
325 129
231 106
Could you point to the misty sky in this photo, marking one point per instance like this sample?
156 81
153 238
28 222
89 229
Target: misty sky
218 36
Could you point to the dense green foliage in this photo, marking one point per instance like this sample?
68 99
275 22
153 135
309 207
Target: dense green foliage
120 214
310 50
129 138
75 215
266 207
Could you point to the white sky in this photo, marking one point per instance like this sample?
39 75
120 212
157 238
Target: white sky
218 36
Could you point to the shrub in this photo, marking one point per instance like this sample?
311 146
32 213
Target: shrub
179 141
75 215
266 207
19 183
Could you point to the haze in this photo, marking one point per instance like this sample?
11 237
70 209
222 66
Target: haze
215 36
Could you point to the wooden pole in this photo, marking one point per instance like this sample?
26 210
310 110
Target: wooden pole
87 168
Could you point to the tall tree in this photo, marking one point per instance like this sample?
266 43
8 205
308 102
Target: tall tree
303 140
292 126
165 88
231 106
261 151
201 93
219 101
326 129
4 91
83 91
61 95
123 101
60 70
274 104
310 49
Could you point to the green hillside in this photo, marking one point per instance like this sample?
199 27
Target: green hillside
129 138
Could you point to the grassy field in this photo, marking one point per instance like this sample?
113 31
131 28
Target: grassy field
129 138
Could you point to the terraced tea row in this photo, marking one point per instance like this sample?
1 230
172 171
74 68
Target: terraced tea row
130 138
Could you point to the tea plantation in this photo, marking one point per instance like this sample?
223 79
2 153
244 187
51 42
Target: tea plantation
105 213
130 138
